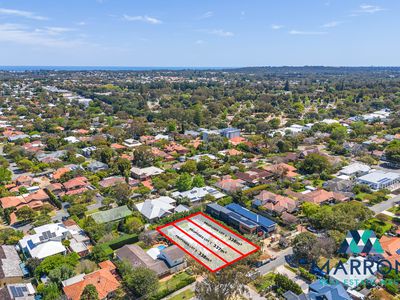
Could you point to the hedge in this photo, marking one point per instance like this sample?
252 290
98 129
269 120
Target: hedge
122 240
53 199
307 275
117 243
255 189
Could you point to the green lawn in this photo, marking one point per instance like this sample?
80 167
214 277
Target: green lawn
188 294
174 281
264 282
380 227
177 282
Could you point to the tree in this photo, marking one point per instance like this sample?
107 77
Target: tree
56 261
392 152
49 291
184 182
10 236
189 167
61 273
229 283
5 175
105 154
89 293
143 156
315 163
25 164
99 253
25 214
32 263
339 133
287 86
122 192
303 244
198 181
133 225
124 166
285 284
141 281
77 210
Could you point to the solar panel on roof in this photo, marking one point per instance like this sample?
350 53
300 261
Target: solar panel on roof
20 292
16 292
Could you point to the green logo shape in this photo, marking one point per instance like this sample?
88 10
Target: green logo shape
361 241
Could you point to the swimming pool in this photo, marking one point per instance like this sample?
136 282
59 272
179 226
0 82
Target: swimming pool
161 247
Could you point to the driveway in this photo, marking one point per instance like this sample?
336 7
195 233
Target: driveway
99 203
385 205
293 276
279 261
61 213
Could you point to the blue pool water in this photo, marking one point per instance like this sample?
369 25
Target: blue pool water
161 247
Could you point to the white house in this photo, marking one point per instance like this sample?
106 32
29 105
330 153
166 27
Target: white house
381 180
355 170
47 240
71 139
154 209
198 193
143 173
131 143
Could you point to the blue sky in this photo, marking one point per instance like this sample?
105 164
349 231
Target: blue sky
199 33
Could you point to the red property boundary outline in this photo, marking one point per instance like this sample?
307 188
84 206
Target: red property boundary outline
257 248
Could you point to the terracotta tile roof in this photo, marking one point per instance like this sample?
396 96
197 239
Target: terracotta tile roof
11 201
77 182
237 140
102 279
117 146
277 203
234 152
390 244
108 265
60 172
230 185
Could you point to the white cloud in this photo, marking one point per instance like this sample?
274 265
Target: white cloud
54 30
370 9
46 37
199 42
276 27
221 32
146 19
332 24
365 9
299 32
81 23
207 15
21 13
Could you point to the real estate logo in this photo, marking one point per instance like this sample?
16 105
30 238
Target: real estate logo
361 241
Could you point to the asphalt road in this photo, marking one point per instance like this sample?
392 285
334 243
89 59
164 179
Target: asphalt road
385 205
279 261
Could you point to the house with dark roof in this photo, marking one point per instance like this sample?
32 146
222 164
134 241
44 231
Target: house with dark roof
265 224
10 265
174 257
319 290
240 218
18 291
137 257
